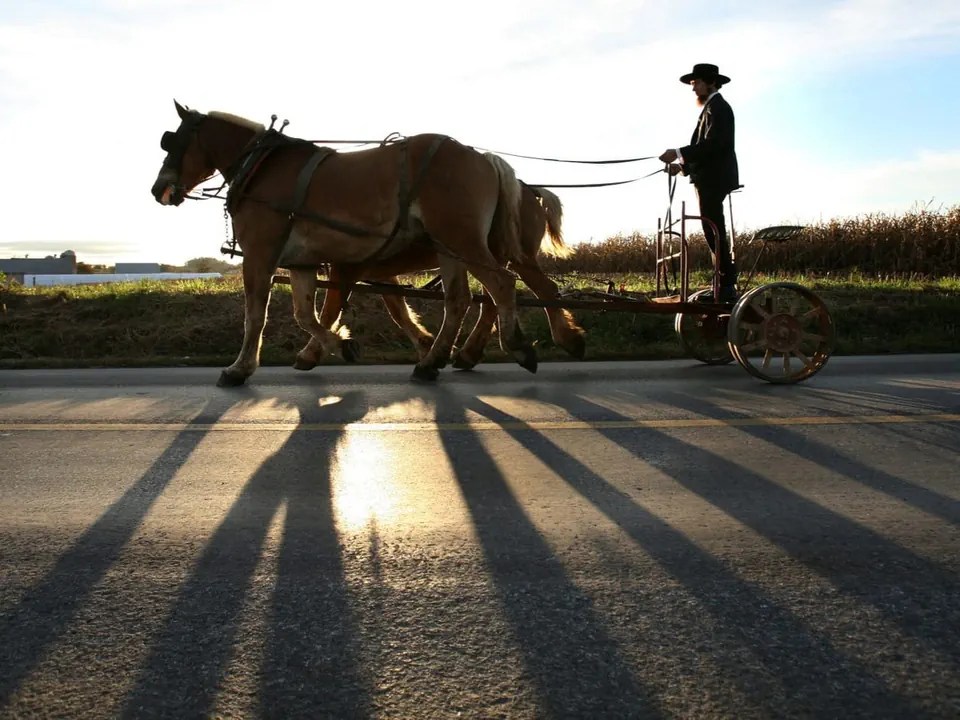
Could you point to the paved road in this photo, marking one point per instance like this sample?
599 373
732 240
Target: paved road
601 540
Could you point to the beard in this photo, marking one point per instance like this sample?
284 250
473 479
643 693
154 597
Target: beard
701 101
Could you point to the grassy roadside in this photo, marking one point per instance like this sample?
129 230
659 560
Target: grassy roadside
201 323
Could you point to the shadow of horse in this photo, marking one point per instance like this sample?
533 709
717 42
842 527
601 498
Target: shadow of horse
310 656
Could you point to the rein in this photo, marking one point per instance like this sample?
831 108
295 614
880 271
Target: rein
604 184
238 175
395 137
561 160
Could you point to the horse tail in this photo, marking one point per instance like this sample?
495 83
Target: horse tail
552 243
505 229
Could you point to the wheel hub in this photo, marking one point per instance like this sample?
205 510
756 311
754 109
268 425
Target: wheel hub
782 333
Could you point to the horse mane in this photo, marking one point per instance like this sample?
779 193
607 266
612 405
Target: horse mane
237 120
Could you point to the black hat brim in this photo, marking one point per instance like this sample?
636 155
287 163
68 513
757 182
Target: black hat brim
685 79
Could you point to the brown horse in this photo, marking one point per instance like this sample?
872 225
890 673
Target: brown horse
299 206
540 226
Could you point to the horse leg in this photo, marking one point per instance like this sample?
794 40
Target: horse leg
257 280
408 321
330 312
456 302
563 328
323 342
471 353
502 286
311 353
405 318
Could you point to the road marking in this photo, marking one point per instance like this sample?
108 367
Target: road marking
482 425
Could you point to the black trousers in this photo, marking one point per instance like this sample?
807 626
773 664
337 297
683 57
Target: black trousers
711 208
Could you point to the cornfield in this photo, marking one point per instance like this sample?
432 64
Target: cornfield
917 244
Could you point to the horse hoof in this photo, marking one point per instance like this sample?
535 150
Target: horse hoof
303 364
459 362
529 361
230 380
424 374
577 347
350 349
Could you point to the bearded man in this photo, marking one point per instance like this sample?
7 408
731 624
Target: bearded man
710 161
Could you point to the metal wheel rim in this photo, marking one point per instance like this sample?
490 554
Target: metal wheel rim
694 342
781 332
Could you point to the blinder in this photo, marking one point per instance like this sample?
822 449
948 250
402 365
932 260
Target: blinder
175 143
168 140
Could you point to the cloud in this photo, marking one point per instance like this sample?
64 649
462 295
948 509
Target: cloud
43 248
87 91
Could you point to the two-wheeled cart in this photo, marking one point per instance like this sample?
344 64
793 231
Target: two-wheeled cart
780 332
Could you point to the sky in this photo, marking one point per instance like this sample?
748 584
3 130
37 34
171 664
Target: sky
843 107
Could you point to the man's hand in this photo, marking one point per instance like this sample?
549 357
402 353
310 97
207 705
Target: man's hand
674 168
668 156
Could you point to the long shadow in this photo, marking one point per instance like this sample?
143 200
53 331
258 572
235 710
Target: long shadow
46 610
948 435
576 666
919 401
917 595
840 402
797 669
820 453
310 657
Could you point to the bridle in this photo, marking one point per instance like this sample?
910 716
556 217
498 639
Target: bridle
175 143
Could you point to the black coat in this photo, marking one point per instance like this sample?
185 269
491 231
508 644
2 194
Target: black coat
710 159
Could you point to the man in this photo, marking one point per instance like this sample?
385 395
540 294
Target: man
710 161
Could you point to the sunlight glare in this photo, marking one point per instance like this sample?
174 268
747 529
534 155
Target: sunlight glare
365 487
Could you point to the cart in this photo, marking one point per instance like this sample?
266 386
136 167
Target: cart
780 332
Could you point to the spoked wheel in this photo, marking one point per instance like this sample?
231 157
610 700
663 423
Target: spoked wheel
781 332
704 337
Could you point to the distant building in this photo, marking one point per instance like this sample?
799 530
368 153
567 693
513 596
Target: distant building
137 268
104 278
16 268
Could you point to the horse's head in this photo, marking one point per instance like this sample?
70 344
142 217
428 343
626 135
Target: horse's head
188 161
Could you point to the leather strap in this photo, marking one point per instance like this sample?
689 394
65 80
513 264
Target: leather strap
407 197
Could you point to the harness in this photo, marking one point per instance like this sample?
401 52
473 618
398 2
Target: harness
252 160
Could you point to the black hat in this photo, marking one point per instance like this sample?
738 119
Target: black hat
705 71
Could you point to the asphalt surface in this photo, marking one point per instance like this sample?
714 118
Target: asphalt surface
600 540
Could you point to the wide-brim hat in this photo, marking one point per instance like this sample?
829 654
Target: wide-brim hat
705 71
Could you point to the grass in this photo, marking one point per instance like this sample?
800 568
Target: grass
198 322
892 284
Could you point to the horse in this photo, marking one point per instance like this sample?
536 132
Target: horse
541 231
297 205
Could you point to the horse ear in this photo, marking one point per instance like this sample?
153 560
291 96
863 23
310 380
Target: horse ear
181 110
